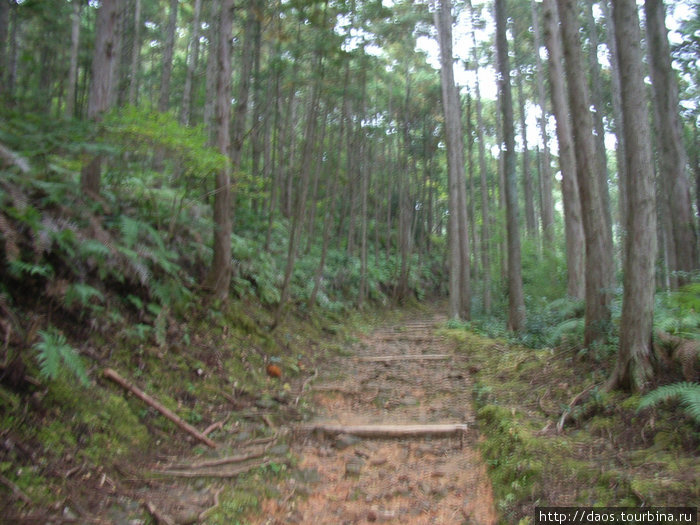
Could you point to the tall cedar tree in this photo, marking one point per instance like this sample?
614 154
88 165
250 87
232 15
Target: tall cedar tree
457 228
218 279
634 362
599 257
675 186
516 301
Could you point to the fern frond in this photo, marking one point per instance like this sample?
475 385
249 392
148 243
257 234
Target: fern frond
82 293
688 394
53 350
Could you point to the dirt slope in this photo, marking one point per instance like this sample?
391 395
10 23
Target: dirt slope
410 480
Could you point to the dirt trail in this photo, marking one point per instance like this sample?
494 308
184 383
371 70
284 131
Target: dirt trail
416 480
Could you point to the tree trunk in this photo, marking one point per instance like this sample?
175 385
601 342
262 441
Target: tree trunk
192 59
218 279
164 96
599 262
211 72
457 228
547 206
102 82
597 101
4 30
304 173
672 156
634 363
516 302
528 192
73 68
573 221
616 93
135 56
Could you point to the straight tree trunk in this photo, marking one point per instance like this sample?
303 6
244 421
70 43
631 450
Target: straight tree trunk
135 66
211 72
616 94
304 174
573 220
529 194
4 31
672 156
73 67
458 240
547 206
516 302
103 70
634 363
599 261
164 96
218 279
192 59
597 101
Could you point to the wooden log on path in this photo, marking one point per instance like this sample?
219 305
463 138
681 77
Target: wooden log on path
404 357
389 431
114 376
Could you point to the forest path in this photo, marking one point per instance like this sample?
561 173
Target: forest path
343 479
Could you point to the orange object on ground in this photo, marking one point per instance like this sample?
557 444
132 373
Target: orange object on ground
274 371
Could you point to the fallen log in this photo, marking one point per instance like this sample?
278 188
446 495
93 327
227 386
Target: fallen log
114 376
408 357
212 473
388 431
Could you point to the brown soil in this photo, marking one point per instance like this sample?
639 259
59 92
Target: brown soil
417 480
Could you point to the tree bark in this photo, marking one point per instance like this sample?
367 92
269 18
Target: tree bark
634 362
192 60
516 302
599 261
164 95
218 279
459 293
573 220
74 48
616 94
547 207
135 66
102 83
4 30
597 101
672 156
485 230
528 192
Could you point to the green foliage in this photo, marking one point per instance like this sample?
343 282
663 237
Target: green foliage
687 393
138 130
54 354
82 294
678 312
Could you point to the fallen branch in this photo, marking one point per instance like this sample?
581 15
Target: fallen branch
574 402
158 516
112 375
409 357
205 514
217 462
213 473
214 426
380 431
16 491
303 385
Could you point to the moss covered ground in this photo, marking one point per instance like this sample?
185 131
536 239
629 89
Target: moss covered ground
607 454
